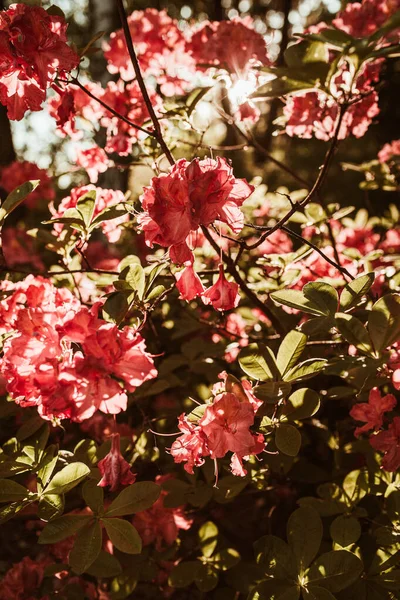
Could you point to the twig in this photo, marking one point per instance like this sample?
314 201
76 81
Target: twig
231 268
111 110
337 266
128 39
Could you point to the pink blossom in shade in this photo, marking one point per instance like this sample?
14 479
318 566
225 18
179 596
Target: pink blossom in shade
23 580
391 242
233 329
94 160
389 151
127 101
389 443
191 194
222 295
277 243
104 199
33 51
115 470
160 525
190 447
188 283
19 172
373 411
18 248
100 427
396 379
361 238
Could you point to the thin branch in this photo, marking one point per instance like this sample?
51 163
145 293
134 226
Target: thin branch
7 269
128 39
232 270
111 110
337 266
315 188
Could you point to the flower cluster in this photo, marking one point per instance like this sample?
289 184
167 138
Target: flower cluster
17 172
34 49
372 413
192 194
43 366
224 427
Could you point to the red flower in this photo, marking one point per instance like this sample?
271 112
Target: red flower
223 295
389 443
34 49
18 172
191 194
188 283
373 411
94 160
115 470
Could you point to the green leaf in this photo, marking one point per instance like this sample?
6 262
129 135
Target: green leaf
47 465
133 499
355 290
274 590
11 491
288 439
50 507
206 578
296 299
86 548
208 536
345 530
86 205
305 403
62 528
271 391
258 362
306 369
281 86
290 350
184 574
123 535
314 592
226 559
275 557
301 53
108 214
105 565
67 478
384 321
354 332
116 306
322 295
135 277
355 486
15 198
93 495
335 570
304 534
30 427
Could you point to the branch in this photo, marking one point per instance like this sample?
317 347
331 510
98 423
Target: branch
232 270
315 188
129 43
111 110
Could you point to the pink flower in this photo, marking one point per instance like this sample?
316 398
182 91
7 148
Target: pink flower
34 49
361 19
191 194
19 172
161 525
372 413
396 379
114 469
389 151
222 295
389 443
226 424
104 199
160 45
191 447
94 160
188 283
71 103
23 580
18 248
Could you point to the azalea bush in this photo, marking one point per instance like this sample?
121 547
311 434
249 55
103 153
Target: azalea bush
200 372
